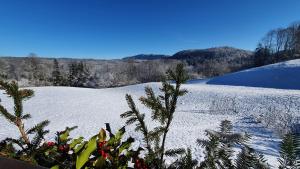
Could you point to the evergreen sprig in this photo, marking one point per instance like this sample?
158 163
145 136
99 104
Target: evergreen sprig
218 150
163 108
249 159
174 152
289 152
18 96
185 161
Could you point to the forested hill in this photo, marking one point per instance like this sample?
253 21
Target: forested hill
147 57
37 71
208 62
191 55
212 53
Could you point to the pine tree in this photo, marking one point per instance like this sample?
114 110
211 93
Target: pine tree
184 162
249 159
83 75
261 55
163 108
19 96
289 152
72 74
57 79
219 153
79 75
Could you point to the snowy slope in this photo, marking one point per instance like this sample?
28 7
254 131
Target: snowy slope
202 108
284 75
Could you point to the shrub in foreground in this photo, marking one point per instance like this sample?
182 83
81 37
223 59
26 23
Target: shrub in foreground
26 147
163 108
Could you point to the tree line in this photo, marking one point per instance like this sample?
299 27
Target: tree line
36 71
278 45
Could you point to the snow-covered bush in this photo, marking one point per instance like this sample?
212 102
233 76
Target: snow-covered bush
279 113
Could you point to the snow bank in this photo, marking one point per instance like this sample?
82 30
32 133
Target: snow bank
284 75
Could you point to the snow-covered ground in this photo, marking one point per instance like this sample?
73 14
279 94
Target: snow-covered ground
91 108
284 75
262 112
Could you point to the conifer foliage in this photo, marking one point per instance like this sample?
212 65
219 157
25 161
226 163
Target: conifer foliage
163 108
57 78
185 161
290 152
79 75
18 96
218 150
249 159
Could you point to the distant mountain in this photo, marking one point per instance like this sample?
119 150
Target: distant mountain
198 54
200 63
212 53
146 57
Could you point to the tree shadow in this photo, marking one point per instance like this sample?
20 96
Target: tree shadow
262 139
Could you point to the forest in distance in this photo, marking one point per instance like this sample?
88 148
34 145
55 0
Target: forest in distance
278 45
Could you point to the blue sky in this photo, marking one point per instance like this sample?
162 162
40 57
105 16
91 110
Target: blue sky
117 28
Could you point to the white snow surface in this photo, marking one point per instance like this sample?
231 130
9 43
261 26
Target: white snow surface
283 75
262 112
89 109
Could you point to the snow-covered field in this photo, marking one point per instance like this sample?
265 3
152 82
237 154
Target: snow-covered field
284 75
258 111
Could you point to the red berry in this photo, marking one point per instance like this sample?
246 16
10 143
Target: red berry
61 148
50 144
101 144
103 154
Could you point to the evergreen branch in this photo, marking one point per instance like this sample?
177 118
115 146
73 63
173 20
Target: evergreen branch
248 158
174 152
154 103
6 87
202 142
156 132
38 127
26 116
39 136
289 148
15 141
7 115
226 127
135 116
185 162
179 76
71 128
168 89
237 138
182 92
12 90
131 120
126 114
26 93
107 126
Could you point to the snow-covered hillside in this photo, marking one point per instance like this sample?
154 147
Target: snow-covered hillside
202 108
284 75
